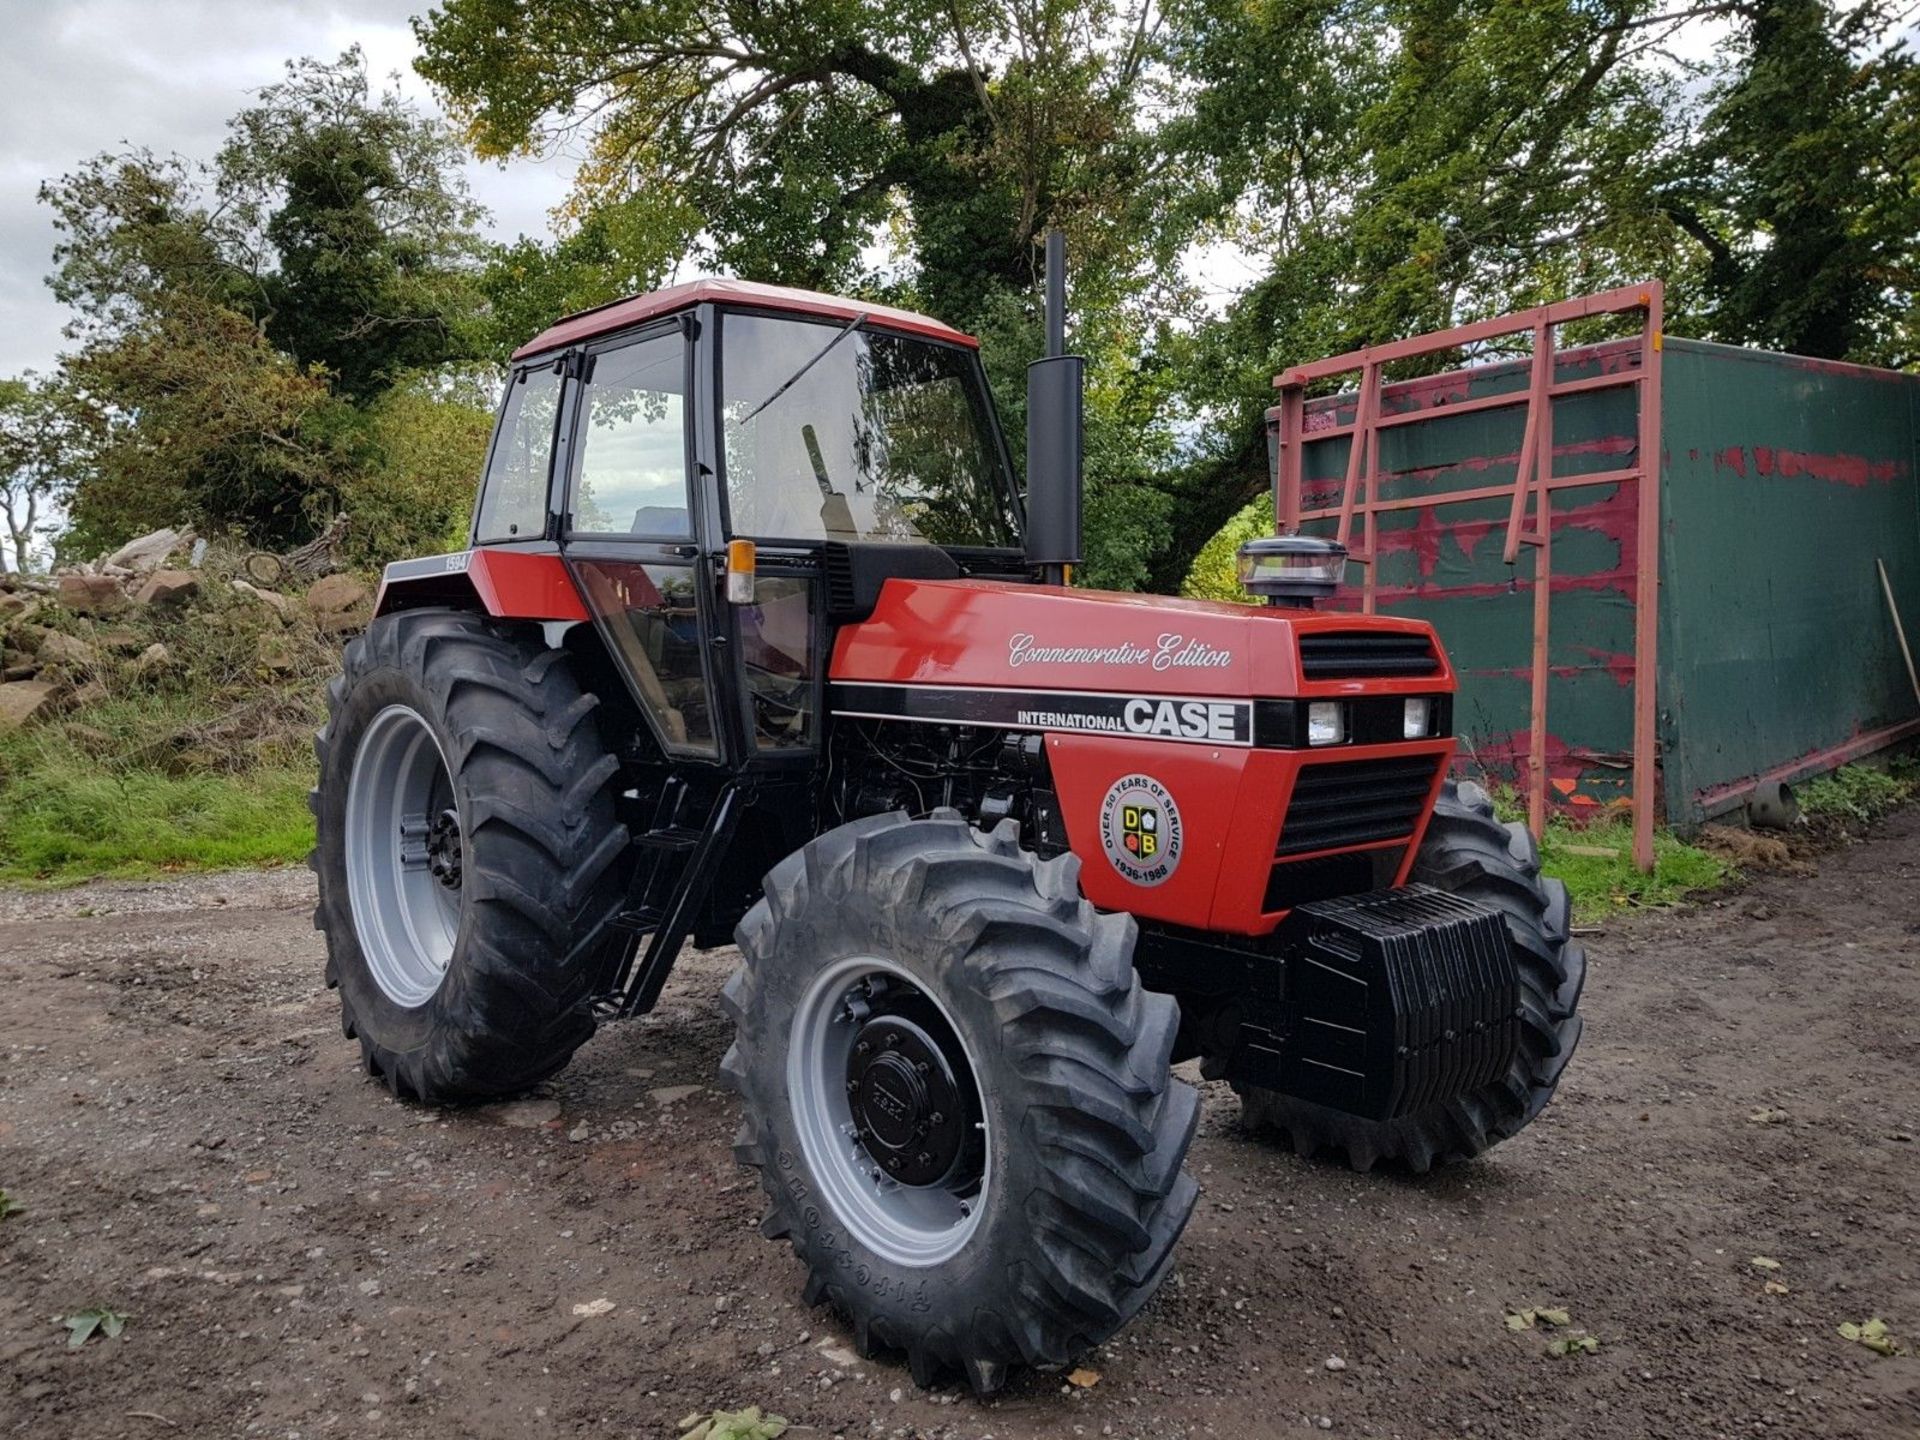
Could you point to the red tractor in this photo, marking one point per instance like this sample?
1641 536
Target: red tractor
756 641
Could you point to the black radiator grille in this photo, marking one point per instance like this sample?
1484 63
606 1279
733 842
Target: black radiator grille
1355 802
1327 877
1365 654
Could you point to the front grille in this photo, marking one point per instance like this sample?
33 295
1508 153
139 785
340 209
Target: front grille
1365 654
1355 802
1327 877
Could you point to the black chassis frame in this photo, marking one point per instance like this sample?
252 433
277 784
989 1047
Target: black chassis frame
706 828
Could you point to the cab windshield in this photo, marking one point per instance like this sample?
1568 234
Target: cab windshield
837 431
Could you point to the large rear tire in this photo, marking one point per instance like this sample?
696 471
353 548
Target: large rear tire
467 854
957 1095
1470 853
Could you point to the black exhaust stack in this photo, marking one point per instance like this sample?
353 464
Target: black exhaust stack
1055 435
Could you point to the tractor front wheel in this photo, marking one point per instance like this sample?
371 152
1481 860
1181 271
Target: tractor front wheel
468 854
957 1095
1468 852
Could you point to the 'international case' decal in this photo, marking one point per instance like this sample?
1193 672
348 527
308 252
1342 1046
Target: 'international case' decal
1147 717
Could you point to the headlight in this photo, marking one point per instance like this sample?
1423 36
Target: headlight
1419 719
1326 722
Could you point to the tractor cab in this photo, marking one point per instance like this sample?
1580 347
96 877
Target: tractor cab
709 461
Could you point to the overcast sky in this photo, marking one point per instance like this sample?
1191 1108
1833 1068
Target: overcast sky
81 76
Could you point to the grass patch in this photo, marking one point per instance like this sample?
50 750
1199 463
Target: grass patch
1856 792
1599 884
147 785
67 829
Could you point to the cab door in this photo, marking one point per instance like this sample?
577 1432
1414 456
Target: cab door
629 527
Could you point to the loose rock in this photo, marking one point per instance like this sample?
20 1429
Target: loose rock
165 588
24 701
97 595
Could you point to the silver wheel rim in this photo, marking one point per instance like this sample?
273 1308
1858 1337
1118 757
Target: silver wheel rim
909 1225
403 865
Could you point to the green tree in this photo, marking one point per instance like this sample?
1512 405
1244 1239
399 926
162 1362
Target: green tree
239 323
360 202
782 141
1802 192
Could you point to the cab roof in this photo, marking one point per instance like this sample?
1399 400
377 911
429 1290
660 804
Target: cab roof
625 314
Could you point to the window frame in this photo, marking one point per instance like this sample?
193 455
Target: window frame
1010 478
520 375
577 421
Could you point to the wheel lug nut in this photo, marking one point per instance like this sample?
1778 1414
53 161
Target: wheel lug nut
861 1048
922 1066
893 1162
893 1039
937 1118
853 1087
923 1158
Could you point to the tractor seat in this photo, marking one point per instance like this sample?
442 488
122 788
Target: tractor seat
669 520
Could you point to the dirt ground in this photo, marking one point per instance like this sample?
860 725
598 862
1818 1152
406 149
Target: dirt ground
301 1256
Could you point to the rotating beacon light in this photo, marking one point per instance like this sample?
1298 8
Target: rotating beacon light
1292 570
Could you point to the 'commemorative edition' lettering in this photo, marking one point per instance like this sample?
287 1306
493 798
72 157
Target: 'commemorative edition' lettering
1169 652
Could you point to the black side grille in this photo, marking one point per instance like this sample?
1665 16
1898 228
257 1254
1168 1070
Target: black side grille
1355 802
1365 654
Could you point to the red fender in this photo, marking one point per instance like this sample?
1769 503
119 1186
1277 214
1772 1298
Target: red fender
507 584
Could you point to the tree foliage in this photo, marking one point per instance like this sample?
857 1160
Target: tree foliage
240 322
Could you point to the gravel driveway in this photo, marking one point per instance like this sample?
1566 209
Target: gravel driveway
302 1256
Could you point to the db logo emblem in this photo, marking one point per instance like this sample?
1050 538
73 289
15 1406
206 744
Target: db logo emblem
1140 829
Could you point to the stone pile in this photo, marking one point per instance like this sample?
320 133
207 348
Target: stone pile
58 631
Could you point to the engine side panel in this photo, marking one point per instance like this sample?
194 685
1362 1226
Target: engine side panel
1181 778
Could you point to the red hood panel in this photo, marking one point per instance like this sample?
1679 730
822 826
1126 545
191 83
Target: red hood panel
1048 637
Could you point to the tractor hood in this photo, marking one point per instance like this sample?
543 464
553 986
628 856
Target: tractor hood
1040 638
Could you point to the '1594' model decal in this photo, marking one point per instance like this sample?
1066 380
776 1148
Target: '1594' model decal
1151 717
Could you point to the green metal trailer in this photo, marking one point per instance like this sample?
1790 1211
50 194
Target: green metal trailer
1748 584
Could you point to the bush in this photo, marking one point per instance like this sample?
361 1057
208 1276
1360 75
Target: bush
413 493
1214 576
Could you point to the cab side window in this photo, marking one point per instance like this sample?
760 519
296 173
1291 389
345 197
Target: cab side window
632 442
513 502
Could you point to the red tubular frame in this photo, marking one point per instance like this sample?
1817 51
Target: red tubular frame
1533 481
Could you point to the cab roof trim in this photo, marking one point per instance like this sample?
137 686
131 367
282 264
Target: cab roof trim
637 309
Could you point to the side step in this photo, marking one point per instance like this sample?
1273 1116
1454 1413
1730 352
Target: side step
677 866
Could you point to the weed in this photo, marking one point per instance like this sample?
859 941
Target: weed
1856 792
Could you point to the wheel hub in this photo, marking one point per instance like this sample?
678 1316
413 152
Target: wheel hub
906 1100
445 854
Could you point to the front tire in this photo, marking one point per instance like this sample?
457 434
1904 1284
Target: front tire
1467 852
467 855
1045 1221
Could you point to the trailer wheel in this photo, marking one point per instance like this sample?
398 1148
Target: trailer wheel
1468 852
467 854
957 1095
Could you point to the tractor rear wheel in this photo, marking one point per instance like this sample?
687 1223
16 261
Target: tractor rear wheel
1470 853
467 854
957 1095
